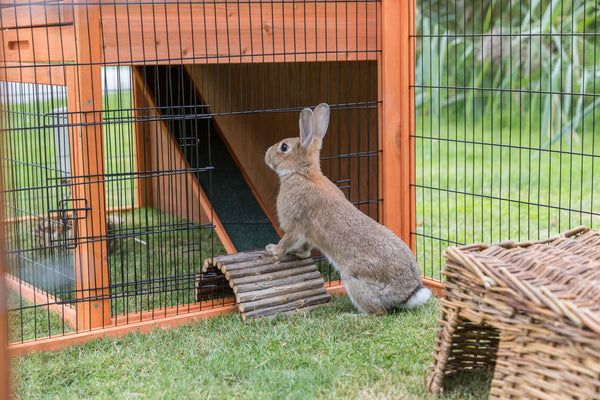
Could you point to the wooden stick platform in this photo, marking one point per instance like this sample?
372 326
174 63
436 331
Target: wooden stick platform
266 285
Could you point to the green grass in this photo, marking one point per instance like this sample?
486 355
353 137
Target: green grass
483 183
469 189
29 322
330 353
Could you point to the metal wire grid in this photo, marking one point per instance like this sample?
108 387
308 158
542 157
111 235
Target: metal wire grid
154 252
507 108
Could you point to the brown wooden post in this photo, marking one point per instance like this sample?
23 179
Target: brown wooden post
140 138
84 101
4 372
397 117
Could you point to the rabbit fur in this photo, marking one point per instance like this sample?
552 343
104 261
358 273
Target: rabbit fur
378 269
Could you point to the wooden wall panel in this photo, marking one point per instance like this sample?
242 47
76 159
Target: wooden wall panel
240 89
39 44
28 73
179 33
239 32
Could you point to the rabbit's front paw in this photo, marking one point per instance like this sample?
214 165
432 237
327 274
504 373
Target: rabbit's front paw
272 249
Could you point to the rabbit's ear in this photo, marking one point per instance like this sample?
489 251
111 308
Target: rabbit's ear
307 127
321 120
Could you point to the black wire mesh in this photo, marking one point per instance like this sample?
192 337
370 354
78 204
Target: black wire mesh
507 110
191 93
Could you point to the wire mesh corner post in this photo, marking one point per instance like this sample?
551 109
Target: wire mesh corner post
4 372
84 101
397 118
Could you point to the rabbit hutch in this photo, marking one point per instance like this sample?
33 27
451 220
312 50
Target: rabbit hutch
133 143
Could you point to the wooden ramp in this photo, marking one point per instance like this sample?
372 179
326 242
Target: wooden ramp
265 285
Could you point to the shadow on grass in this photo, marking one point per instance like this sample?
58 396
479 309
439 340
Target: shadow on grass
472 384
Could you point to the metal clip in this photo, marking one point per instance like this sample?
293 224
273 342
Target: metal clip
188 141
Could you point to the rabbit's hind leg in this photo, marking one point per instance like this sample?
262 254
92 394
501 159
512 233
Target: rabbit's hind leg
363 296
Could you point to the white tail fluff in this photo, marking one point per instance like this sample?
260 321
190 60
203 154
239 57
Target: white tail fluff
417 299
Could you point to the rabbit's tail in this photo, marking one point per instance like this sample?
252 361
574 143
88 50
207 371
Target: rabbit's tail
419 297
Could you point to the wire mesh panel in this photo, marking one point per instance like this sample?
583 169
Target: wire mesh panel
507 112
133 143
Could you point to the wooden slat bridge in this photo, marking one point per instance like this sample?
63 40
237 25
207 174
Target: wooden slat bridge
265 285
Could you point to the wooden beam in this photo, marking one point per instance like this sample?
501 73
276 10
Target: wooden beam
335 287
239 32
39 44
30 73
84 101
408 107
229 32
4 371
436 286
36 15
397 96
141 139
4 364
135 322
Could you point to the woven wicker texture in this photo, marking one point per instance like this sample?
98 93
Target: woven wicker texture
530 311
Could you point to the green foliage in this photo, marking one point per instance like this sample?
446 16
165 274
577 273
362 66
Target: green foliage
532 60
330 353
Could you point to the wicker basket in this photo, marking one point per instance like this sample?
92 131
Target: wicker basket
528 311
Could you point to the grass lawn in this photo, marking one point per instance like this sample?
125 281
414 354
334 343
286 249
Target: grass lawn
473 183
477 183
330 353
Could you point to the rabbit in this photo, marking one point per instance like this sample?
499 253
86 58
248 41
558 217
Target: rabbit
378 269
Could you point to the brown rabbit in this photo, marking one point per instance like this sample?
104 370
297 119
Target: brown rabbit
378 269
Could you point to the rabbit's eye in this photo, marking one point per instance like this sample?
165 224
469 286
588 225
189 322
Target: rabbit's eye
284 147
